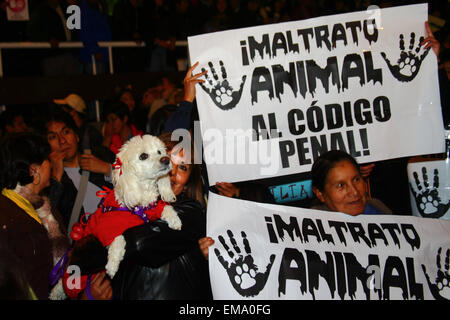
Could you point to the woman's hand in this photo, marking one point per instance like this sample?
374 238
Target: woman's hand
91 163
100 287
204 244
366 170
190 80
227 189
57 163
107 134
430 41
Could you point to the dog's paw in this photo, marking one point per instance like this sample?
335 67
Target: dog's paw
165 189
116 252
175 223
168 197
171 217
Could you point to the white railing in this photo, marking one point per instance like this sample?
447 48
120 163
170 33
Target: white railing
75 44
103 44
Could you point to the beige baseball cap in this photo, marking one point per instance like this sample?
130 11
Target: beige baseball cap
74 101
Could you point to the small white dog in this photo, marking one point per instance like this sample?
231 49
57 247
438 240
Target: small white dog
141 193
140 176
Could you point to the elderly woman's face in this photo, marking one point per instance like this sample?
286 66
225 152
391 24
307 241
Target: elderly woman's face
344 190
181 171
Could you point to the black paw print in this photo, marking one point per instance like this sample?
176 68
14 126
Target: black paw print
221 92
408 64
427 199
440 289
243 272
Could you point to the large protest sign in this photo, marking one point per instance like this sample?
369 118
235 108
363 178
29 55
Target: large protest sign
277 96
264 251
17 10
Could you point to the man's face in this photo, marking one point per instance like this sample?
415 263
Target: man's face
18 125
62 139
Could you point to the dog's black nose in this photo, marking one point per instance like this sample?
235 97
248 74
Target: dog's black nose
165 160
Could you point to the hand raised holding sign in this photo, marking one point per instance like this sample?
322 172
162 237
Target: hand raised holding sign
408 65
243 272
189 82
220 91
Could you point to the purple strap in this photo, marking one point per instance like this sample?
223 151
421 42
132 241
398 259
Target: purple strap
139 210
88 288
58 269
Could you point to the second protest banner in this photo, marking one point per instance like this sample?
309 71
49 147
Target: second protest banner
265 251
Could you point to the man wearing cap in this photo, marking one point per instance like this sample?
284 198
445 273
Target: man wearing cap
74 105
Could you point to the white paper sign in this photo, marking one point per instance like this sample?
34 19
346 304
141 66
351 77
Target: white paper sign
277 96
264 251
429 187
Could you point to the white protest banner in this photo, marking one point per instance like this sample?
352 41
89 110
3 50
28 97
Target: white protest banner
264 251
277 96
17 10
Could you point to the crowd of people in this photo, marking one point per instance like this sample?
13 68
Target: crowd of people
52 168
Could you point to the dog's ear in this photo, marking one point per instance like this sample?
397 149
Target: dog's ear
115 174
119 176
120 166
165 189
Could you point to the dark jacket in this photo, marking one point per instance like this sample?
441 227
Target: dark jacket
165 264
181 118
29 242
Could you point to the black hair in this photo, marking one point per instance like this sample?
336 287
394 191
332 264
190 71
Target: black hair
158 120
55 113
326 162
118 108
7 117
68 108
17 152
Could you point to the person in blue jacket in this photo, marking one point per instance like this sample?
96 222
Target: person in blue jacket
94 28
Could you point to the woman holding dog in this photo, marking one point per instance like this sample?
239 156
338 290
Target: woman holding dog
161 263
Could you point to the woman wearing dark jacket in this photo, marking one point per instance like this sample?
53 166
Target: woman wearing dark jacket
165 264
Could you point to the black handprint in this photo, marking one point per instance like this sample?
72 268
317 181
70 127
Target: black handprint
440 289
427 199
243 272
408 64
221 93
